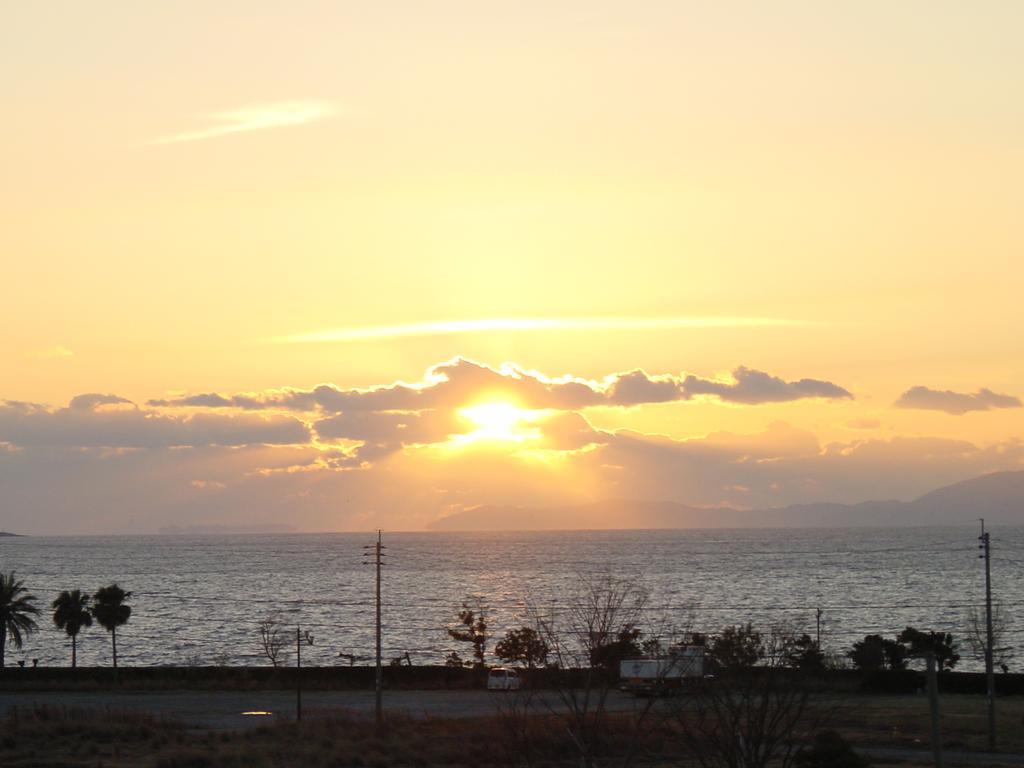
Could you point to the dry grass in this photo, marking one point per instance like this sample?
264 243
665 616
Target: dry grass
61 736
65 737
904 721
43 737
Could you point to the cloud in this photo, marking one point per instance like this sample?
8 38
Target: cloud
68 489
569 432
752 387
526 324
954 403
784 466
87 422
390 428
212 485
207 400
864 423
460 382
394 451
94 400
255 117
636 388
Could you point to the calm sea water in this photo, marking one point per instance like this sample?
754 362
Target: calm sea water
198 599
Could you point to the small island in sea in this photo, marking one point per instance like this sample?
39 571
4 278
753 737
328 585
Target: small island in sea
5 533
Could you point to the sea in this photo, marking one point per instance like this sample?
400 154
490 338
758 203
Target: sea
199 600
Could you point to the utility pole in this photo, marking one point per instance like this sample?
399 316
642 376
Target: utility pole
300 639
378 557
990 677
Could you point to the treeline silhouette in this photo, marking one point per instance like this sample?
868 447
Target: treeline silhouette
73 611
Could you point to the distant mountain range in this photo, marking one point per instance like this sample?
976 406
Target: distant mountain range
225 530
998 497
5 533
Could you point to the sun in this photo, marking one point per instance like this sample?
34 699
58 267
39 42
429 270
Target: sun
499 421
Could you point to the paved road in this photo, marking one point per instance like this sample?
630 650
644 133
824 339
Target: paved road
226 710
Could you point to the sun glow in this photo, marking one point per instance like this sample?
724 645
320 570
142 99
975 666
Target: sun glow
499 421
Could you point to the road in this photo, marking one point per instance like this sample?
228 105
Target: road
220 710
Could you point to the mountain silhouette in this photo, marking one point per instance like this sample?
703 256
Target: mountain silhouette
998 497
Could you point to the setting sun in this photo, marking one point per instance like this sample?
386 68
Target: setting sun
499 421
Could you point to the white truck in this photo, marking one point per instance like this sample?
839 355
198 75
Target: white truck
683 667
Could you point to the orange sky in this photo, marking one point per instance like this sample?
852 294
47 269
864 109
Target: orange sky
247 197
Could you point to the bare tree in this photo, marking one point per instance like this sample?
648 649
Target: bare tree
605 611
273 639
977 635
750 717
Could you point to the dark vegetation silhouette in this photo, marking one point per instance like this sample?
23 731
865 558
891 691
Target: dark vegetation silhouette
72 613
803 652
608 652
919 643
274 639
522 646
736 647
17 609
829 750
876 653
585 639
759 709
110 612
472 629
977 635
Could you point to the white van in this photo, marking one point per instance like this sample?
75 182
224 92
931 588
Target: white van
503 679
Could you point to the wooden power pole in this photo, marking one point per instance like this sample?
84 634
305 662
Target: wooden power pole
378 561
990 677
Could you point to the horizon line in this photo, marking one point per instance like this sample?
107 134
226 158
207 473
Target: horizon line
373 531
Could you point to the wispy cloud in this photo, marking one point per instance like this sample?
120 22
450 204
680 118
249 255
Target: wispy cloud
58 352
508 324
255 117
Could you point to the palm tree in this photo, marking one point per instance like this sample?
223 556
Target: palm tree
71 613
16 612
111 612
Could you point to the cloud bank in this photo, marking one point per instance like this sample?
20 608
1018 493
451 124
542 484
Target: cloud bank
402 455
459 382
89 422
955 403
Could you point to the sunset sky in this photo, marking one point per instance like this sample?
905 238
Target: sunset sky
345 265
